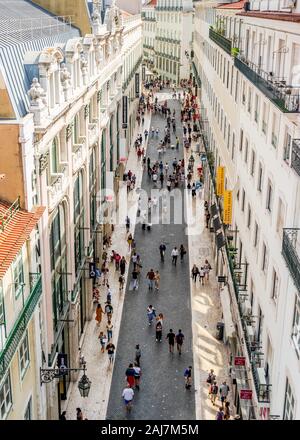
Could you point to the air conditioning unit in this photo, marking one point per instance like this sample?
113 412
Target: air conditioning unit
250 333
261 376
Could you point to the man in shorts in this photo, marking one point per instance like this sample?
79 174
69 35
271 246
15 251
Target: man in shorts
127 395
179 340
171 339
111 352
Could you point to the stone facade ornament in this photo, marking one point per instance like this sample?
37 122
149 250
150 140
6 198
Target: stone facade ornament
84 69
65 78
69 131
44 160
38 102
86 111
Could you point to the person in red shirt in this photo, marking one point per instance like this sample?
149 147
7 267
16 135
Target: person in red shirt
130 372
117 261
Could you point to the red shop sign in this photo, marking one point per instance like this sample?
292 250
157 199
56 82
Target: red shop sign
240 361
246 394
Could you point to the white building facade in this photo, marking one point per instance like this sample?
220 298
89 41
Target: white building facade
246 65
170 29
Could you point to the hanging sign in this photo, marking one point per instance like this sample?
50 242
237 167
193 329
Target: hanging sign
220 181
125 111
143 73
240 361
246 394
227 213
137 85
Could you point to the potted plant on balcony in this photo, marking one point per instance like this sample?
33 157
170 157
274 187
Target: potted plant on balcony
235 51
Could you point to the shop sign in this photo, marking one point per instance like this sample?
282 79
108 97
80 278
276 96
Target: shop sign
220 181
125 111
137 85
227 213
240 361
246 394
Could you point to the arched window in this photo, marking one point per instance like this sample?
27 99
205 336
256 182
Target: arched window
111 138
76 125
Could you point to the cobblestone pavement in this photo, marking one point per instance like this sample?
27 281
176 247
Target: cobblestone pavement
159 398
162 394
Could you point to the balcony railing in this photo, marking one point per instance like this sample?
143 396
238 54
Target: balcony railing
58 187
295 163
79 154
291 252
285 97
93 133
220 40
18 330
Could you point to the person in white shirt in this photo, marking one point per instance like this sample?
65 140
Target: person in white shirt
154 202
127 395
174 255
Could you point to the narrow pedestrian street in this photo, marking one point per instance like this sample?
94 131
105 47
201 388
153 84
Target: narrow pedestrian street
162 395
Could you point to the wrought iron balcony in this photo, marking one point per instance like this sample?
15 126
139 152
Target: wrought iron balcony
263 389
220 40
18 330
285 97
291 252
295 163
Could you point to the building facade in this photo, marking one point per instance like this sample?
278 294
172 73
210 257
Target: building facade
63 147
168 33
246 68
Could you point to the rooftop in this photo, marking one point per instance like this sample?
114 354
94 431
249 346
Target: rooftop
235 5
282 16
15 227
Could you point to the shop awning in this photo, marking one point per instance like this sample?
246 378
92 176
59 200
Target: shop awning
225 301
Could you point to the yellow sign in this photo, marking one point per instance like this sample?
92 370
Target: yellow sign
220 181
227 213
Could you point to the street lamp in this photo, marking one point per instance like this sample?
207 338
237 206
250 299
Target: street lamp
49 374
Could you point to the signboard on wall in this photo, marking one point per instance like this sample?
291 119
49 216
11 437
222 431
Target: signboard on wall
137 85
227 213
125 111
220 181
240 361
143 73
246 394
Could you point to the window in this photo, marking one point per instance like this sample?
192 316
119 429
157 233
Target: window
244 93
274 139
249 217
287 147
296 325
249 100
269 197
54 156
264 119
289 403
243 200
280 217
241 140
274 291
256 234
5 397
233 146
264 261
256 108
18 274
24 355
252 166
259 177
2 318
246 150
28 410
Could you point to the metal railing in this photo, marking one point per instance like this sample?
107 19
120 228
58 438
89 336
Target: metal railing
291 252
285 97
220 40
9 214
295 162
19 328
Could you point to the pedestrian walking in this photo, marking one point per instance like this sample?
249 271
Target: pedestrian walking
201 276
99 313
151 314
122 266
108 294
157 280
195 272
103 340
134 259
135 276
127 222
130 375
207 269
128 395
207 218
129 241
117 261
108 310
179 340
158 330
227 411
224 390
109 330
162 250
188 377
121 283
171 339
220 414
182 252
174 255
213 392
79 415
63 416
137 375
138 354
151 277
110 348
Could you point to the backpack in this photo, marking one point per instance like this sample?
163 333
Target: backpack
179 339
214 389
186 372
